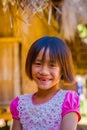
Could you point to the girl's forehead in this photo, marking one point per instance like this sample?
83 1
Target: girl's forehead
46 54
43 54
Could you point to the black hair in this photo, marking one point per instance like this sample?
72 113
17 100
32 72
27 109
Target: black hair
58 52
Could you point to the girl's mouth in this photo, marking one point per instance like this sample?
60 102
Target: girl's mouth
44 79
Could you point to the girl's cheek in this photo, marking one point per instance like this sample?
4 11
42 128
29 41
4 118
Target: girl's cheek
35 69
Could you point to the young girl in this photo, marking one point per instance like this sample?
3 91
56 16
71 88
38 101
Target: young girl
50 108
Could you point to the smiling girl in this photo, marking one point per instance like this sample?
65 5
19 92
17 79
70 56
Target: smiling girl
48 62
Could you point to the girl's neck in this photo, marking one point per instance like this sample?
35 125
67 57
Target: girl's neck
44 93
42 96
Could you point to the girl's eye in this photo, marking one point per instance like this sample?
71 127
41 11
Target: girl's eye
37 63
52 65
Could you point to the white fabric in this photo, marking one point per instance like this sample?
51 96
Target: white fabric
46 116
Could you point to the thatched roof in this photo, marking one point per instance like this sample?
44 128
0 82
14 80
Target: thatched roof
67 13
72 13
81 10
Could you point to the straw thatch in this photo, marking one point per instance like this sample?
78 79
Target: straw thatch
67 13
71 13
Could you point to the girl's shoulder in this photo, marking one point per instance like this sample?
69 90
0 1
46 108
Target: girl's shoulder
71 98
71 93
13 108
16 99
14 104
71 103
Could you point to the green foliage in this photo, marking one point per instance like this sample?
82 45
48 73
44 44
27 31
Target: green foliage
82 29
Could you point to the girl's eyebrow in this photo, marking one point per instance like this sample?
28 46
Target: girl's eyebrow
38 60
54 61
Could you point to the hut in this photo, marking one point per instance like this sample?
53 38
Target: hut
24 21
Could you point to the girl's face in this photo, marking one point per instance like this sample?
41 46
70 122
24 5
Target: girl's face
45 73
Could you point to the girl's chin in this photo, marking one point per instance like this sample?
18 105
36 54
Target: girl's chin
44 87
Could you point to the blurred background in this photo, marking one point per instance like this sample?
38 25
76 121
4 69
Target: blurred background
24 21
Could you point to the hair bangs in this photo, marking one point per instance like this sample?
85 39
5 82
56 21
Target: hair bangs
52 54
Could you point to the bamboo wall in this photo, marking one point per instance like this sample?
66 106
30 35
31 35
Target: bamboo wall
9 69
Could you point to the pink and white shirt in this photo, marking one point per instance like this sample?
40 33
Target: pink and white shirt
45 116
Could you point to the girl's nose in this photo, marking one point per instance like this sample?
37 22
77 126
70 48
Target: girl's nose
44 70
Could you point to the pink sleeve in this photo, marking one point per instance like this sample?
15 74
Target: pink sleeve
71 104
13 108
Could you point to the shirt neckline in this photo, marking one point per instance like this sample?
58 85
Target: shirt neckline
39 104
